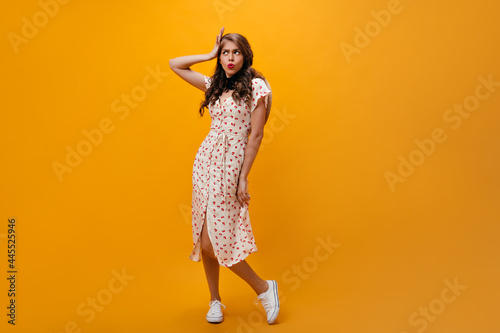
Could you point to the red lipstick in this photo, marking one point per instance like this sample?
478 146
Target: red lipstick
230 66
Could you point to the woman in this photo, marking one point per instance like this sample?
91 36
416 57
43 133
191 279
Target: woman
238 100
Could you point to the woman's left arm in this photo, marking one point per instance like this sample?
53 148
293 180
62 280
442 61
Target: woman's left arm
258 119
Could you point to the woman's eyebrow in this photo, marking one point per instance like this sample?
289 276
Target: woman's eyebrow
230 50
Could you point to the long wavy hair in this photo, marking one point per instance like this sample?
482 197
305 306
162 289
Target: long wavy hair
243 78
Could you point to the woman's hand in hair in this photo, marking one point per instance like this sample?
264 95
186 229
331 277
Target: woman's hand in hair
213 54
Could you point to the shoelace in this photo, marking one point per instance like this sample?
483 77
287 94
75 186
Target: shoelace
264 301
216 310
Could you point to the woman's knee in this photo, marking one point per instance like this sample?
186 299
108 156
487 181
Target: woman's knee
206 244
206 247
208 250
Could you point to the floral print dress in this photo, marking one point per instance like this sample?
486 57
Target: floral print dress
216 171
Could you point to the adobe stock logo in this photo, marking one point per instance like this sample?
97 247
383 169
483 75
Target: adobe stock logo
30 28
278 121
428 314
222 6
94 137
373 28
89 309
293 277
427 147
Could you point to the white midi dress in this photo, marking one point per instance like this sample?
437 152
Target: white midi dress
216 171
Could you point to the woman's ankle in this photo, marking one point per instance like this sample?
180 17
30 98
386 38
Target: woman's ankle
263 287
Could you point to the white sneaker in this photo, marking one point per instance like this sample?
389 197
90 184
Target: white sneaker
214 314
270 301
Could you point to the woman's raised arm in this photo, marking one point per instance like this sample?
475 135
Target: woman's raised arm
181 65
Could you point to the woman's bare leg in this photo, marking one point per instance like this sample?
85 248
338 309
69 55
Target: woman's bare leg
244 271
210 263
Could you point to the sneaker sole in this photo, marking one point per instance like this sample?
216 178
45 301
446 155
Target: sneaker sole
215 320
277 302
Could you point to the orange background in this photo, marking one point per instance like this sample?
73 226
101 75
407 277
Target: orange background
348 107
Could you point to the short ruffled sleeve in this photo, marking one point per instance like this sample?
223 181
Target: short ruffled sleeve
207 81
259 89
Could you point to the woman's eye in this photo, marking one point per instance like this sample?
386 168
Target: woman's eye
237 52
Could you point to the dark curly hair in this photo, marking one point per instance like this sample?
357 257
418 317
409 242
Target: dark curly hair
243 78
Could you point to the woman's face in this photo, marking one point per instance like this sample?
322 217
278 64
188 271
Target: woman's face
231 58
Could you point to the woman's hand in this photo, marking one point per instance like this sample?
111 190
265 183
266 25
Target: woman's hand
242 193
213 53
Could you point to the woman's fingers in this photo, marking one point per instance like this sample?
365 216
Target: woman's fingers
241 195
219 37
242 192
243 198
